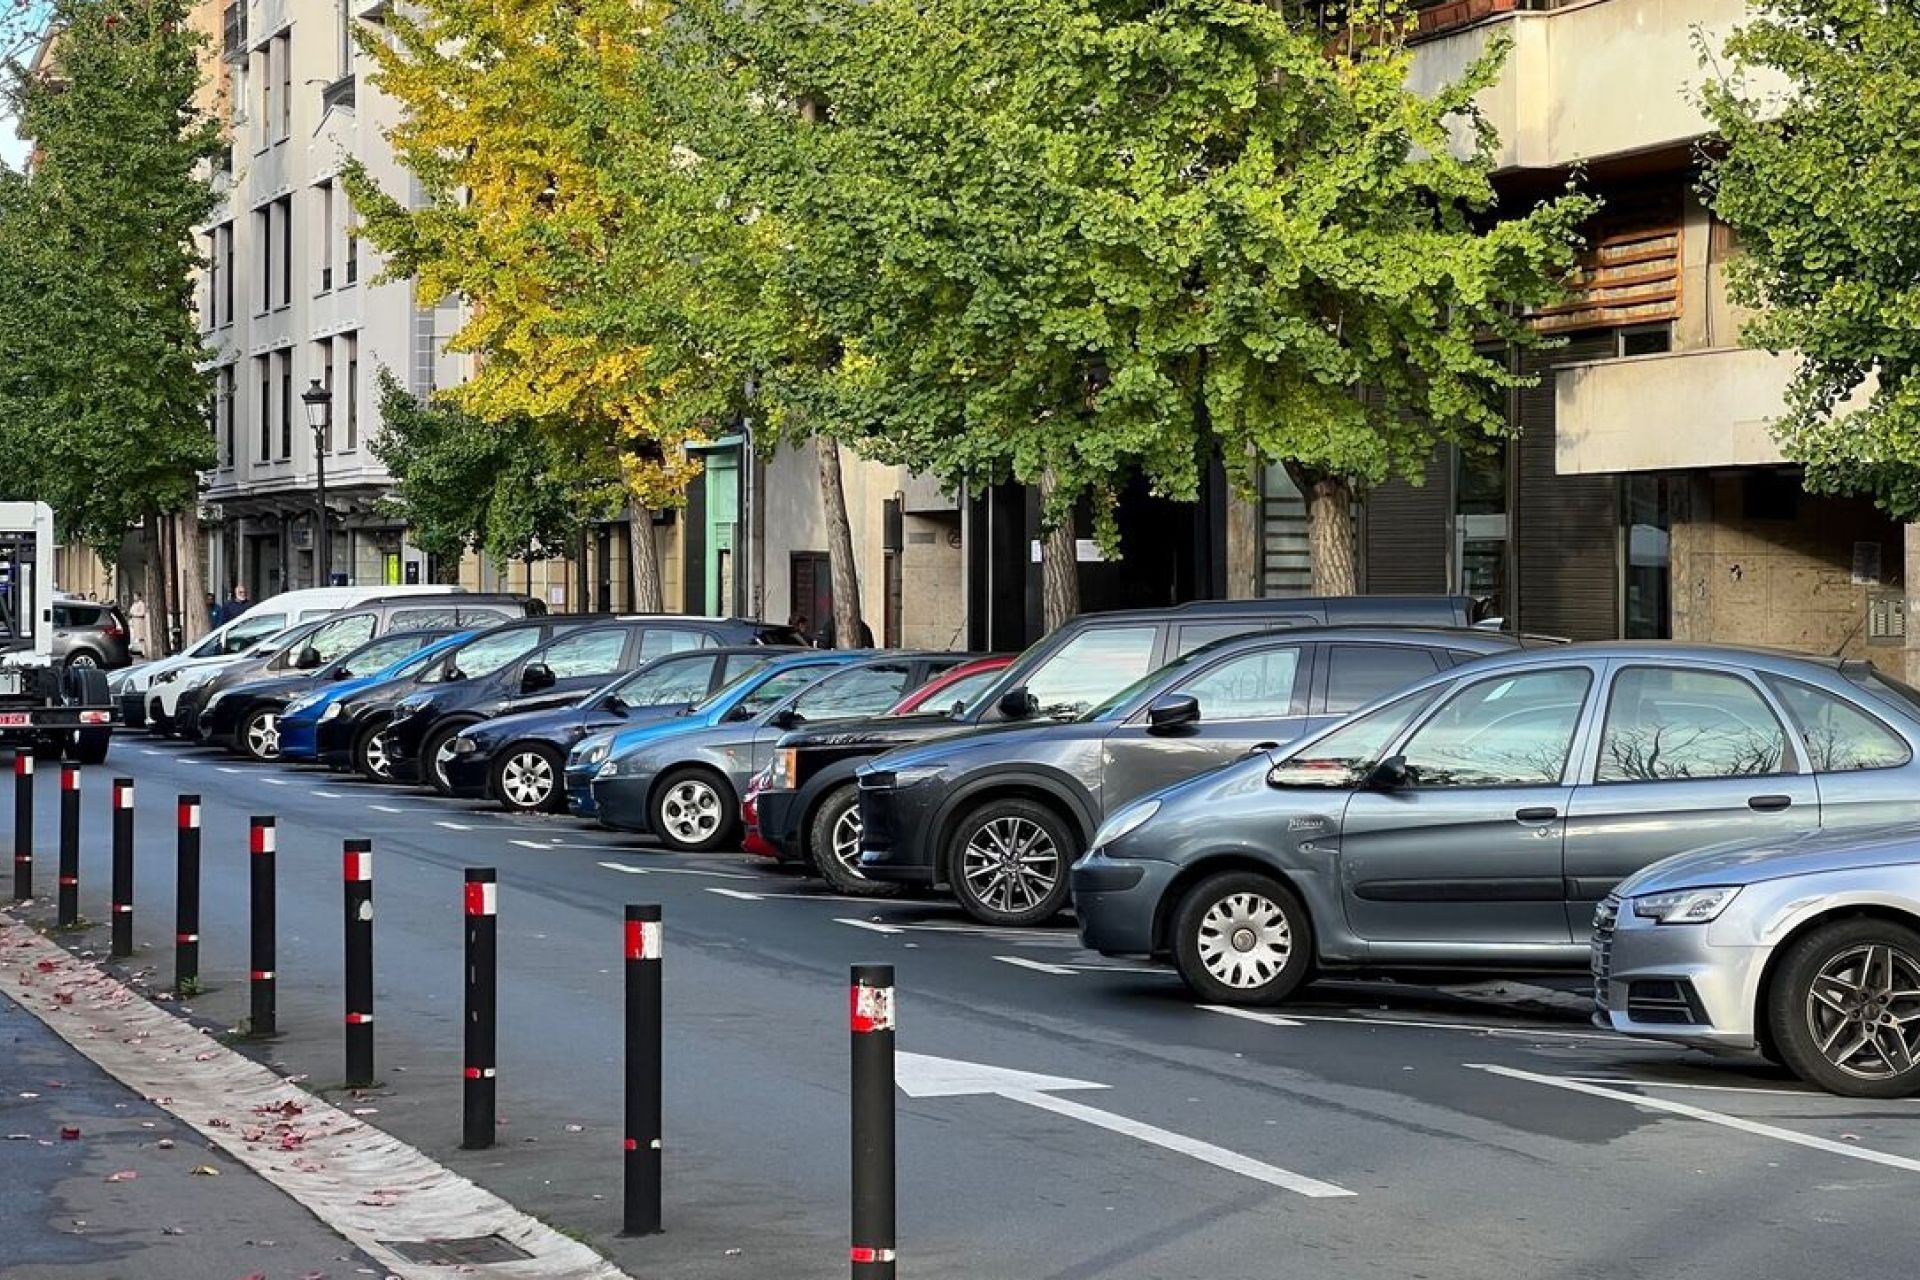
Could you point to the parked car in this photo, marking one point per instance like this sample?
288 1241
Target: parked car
743 700
168 691
667 784
420 735
299 723
999 815
311 646
519 760
1082 663
1478 818
90 634
954 687
351 737
245 717
1806 949
274 614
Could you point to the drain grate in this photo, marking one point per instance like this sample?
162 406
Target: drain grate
468 1250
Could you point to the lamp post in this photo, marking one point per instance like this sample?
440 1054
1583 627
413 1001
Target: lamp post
319 403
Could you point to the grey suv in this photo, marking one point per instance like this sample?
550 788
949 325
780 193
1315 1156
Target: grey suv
90 634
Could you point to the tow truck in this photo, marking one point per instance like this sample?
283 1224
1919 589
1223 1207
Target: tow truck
46 707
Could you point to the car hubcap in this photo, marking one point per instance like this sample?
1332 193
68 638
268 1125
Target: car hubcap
1864 1011
82 660
690 812
1011 864
846 841
377 763
263 736
442 757
1245 940
527 780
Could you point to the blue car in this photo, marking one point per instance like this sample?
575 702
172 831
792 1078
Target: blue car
300 722
742 700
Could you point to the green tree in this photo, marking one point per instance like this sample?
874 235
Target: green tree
503 489
1820 177
1073 241
104 399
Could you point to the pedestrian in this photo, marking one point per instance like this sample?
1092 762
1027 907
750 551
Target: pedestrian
139 634
213 610
236 605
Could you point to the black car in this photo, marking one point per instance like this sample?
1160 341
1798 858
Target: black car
519 760
811 785
420 733
245 716
999 815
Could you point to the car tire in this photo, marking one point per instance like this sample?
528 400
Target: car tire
370 758
1008 861
1242 938
1831 992
833 845
435 751
517 775
258 736
692 811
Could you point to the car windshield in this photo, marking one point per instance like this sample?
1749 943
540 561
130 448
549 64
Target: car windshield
964 694
1110 709
725 693
1898 692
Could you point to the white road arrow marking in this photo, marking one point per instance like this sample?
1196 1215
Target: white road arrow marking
1251 1015
1021 962
922 1076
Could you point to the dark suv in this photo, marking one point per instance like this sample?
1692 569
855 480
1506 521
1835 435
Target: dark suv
420 734
1082 663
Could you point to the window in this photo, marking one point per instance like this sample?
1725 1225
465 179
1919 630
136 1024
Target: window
1253 686
323 226
1666 724
961 692
353 247
283 247
482 616
263 377
1360 673
342 635
263 236
1193 635
743 664
1647 517
1506 731
865 691
283 366
656 642
237 90
265 76
283 69
1343 757
224 243
595 652
1646 339
1840 737
422 619
665 684
351 345
1090 666
323 361
774 689
488 654
378 655
223 414
251 630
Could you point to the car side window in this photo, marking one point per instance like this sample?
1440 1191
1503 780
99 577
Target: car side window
339 636
862 692
379 655
250 630
487 654
424 619
1361 673
1665 724
480 615
587 653
1092 665
666 683
741 664
1505 731
1253 686
1840 737
657 642
775 688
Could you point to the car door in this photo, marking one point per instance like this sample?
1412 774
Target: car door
578 663
1686 756
1468 851
1246 699
1857 758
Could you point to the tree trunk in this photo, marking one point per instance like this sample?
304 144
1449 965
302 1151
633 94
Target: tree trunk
193 576
846 572
1329 531
1059 563
648 594
154 585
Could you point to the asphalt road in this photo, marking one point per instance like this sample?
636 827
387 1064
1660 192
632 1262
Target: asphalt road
1371 1129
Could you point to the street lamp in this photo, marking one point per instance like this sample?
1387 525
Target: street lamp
319 402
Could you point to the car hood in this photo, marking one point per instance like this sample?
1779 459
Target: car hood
879 732
270 687
626 740
1007 741
1751 861
333 691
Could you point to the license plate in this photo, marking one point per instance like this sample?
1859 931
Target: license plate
14 719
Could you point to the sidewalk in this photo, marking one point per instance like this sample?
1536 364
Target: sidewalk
123 1200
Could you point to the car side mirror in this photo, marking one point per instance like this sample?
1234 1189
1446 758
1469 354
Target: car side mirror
786 719
341 673
614 703
309 659
1176 711
1390 774
1017 703
537 676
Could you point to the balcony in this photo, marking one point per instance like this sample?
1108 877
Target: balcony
1684 410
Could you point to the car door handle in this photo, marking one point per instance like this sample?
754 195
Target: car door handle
1258 747
1536 813
1769 804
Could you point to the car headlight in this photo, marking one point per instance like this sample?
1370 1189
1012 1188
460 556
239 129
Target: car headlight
913 777
1685 906
196 680
333 709
610 769
1124 822
784 769
407 707
592 755
166 677
464 746
298 705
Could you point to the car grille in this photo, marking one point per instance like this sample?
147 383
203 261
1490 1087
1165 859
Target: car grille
1605 916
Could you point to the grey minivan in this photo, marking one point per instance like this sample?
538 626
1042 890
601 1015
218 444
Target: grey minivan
1477 818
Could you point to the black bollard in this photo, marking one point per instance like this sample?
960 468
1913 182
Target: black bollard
358 875
641 1215
186 898
872 1012
477 1094
121 926
69 906
22 824
264 1016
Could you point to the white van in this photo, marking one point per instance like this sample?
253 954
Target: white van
268 617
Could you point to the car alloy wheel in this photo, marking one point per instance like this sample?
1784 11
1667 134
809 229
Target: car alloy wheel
263 735
1843 1008
442 757
833 844
82 660
527 780
1241 938
1009 864
691 811
373 760
1245 940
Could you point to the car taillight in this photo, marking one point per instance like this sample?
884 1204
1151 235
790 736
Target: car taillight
112 630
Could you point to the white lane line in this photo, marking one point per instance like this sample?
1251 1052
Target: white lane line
328 795
735 893
1526 1033
1711 1088
451 826
1249 1015
272 782
664 871
228 769
1725 1121
1021 962
611 866
149 751
386 808
869 925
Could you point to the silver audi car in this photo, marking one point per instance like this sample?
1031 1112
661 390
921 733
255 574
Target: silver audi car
1805 949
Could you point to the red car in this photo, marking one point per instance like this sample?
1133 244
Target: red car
955 685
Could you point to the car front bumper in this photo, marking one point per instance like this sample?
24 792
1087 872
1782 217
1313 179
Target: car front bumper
776 821
468 776
1672 982
333 740
299 739
404 738
1117 900
894 842
133 708
621 803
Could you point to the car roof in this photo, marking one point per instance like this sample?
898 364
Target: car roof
1354 608
1780 660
